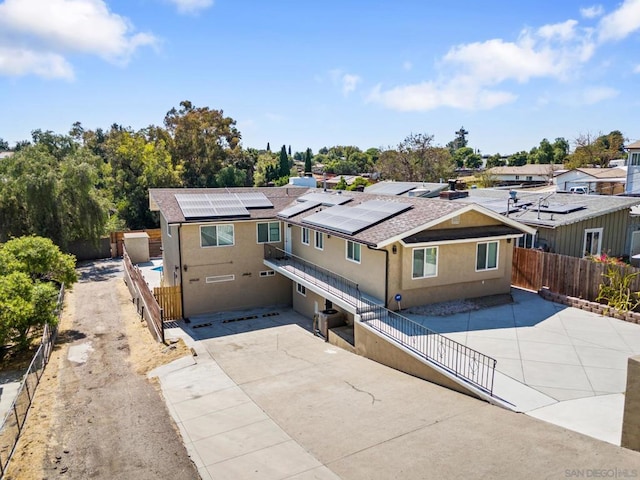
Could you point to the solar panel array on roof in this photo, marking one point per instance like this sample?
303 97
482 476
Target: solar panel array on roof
389 188
219 205
351 220
325 198
298 208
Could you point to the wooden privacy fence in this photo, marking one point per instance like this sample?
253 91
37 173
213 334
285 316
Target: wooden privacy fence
146 303
170 302
571 276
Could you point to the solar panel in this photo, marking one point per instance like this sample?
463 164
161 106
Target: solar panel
351 220
210 206
325 198
298 208
389 188
254 200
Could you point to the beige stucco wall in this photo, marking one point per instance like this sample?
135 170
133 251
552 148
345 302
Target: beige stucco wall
372 346
244 260
631 418
137 245
467 219
170 254
307 304
368 274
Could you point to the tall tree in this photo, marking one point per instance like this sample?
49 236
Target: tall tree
204 140
518 159
307 160
268 147
596 151
459 142
284 162
542 154
415 159
496 161
3 145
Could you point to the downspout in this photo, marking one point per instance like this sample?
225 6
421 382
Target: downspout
386 273
180 270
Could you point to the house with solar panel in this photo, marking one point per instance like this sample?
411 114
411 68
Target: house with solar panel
331 255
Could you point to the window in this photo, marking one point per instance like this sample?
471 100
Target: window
269 232
353 251
529 178
634 159
301 289
592 241
216 235
517 177
220 278
267 273
305 236
526 241
487 256
319 240
425 262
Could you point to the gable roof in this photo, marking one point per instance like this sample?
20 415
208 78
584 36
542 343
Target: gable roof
164 201
604 173
422 213
529 169
578 207
633 145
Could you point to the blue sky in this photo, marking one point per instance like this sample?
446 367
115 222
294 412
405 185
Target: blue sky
323 73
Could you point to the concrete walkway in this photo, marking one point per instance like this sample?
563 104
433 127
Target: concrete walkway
560 364
264 398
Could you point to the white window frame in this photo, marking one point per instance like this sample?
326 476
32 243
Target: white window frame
527 241
634 159
269 239
486 258
217 226
588 231
301 289
168 229
220 278
268 273
424 263
318 236
304 236
353 256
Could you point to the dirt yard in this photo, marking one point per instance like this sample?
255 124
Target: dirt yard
95 415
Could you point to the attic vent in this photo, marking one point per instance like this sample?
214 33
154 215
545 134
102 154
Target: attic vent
455 220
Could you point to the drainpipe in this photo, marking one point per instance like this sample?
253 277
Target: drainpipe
386 272
180 269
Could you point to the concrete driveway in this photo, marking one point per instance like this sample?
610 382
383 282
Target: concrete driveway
264 398
556 363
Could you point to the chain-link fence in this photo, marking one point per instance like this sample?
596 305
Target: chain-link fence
13 422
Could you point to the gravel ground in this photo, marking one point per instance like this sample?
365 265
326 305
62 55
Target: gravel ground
95 414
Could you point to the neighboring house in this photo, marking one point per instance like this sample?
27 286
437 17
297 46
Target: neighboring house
317 250
524 175
4 154
633 169
409 189
568 224
602 181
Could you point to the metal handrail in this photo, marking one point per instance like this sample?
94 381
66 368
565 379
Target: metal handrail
461 361
341 287
464 362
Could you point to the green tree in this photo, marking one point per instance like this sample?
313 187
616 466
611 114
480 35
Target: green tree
542 154
560 150
518 159
459 142
4 145
203 141
415 159
284 162
465 156
38 258
230 177
495 161
342 184
596 151
266 169
359 184
307 160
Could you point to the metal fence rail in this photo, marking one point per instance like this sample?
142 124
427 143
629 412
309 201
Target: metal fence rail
333 283
13 422
466 363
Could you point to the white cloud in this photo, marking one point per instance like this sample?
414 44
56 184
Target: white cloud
44 31
349 83
562 31
592 12
191 6
346 81
620 23
18 62
593 95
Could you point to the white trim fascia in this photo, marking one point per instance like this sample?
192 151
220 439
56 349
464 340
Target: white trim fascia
460 240
468 208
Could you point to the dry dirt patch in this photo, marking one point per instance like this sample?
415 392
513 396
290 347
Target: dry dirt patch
31 459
